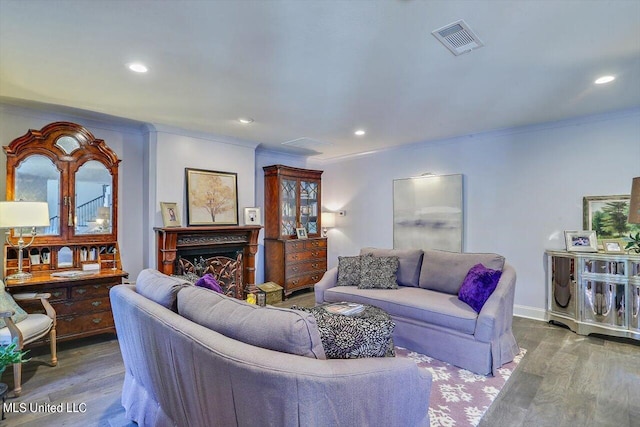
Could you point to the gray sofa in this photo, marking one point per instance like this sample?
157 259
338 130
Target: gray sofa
429 317
193 357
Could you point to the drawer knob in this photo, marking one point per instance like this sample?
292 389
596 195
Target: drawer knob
81 291
295 269
295 282
96 320
96 303
314 265
294 257
57 294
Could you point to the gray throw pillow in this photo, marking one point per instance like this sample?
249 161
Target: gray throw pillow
349 272
378 272
445 271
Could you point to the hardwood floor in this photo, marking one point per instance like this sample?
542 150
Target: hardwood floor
565 380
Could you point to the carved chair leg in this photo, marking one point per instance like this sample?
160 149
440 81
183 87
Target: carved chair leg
53 346
17 379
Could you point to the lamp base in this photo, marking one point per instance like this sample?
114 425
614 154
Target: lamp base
19 276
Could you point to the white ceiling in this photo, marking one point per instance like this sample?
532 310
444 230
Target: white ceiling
321 69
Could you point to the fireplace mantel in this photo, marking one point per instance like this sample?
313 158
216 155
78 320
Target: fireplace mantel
171 240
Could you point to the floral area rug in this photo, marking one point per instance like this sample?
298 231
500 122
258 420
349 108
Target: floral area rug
459 397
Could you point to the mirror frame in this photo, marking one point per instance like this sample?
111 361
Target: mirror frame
43 142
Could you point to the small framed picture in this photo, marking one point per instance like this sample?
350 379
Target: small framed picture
301 233
252 216
581 241
613 246
170 214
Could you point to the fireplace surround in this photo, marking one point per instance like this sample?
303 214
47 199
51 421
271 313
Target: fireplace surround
176 244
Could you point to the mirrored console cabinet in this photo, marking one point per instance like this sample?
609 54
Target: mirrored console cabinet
594 292
76 258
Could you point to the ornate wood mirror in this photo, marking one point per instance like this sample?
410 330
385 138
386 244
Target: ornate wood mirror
64 165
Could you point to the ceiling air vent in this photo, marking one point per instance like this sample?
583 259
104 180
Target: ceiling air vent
458 37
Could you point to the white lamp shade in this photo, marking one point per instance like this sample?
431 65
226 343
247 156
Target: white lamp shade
634 205
24 214
328 219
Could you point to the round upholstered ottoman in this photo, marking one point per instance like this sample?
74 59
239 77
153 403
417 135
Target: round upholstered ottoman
366 334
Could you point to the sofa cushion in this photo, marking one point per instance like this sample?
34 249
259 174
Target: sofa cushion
279 329
478 286
349 272
445 271
409 263
159 287
378 272
422 305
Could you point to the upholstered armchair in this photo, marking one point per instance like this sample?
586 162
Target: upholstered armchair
30 328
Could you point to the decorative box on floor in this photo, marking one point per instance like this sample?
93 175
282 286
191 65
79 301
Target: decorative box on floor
273 291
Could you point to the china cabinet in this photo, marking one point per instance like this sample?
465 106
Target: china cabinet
292 201
76 258
594 292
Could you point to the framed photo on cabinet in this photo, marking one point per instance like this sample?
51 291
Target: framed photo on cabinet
212 197
613 246
581 241
301 232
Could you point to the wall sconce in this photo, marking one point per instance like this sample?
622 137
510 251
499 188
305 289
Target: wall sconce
328 220
23 215
634 204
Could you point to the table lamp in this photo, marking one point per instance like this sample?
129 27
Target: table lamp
328 221
19 215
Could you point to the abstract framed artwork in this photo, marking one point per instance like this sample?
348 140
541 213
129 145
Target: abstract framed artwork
212 197
428 213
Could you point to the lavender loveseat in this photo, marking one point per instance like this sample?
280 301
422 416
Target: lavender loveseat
429 317
195 358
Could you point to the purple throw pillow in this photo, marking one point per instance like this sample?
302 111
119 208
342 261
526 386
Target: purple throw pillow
478 286
209 282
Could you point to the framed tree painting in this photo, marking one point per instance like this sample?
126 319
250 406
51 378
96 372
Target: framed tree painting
212 197
428 213
608 216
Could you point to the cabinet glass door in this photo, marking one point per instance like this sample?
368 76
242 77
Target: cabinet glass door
309 206
289 206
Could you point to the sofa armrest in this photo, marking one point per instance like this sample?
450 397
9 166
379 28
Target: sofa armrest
496 315
329 280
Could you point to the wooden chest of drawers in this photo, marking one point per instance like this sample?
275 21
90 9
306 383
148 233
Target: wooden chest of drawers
295 264
82 304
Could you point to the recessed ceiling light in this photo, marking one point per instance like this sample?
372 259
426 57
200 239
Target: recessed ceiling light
138 67
359 132
245 120
604 79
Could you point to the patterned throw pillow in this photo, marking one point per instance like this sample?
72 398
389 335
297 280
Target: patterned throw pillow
478 286
8 304
349 270
378 272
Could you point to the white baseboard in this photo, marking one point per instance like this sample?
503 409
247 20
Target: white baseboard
529 312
